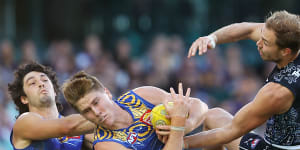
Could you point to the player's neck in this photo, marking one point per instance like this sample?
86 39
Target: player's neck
46 112
124 119
287 60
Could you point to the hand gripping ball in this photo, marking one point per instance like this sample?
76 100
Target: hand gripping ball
158 116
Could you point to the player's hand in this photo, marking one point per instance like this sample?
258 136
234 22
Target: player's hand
181 104
163 132
202 44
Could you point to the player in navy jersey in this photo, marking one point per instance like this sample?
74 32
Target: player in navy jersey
39 125
125 123
277 103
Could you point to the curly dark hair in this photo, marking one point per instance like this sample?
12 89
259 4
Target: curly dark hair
16 89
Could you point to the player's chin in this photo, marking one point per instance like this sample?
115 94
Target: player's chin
107 123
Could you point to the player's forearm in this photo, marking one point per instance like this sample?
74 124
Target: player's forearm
175 141
209 138
77 125
88 141
235 32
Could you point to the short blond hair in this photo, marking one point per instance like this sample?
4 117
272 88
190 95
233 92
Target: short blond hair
78 86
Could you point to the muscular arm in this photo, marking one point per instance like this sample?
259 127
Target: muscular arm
238 31
109 146
270 100
227 34
32 126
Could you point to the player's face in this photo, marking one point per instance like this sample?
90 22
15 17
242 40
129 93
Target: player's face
38 89
267 47
97 107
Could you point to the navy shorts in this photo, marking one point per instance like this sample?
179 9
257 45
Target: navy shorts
253 141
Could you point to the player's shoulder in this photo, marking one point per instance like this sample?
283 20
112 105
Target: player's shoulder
197 103
152 94
276 96
276 90
147 89
28 116
25 119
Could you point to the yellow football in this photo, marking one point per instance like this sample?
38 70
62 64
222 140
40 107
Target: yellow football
158 116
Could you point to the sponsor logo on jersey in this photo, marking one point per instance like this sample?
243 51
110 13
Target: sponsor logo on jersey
131 138
254 143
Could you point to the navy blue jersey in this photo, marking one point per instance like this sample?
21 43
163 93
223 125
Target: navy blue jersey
284 129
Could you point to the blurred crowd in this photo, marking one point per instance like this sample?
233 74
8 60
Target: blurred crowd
227 77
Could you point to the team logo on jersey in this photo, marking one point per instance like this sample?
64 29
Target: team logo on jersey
66 138
131 138
146 118
290 73
296 73
254 143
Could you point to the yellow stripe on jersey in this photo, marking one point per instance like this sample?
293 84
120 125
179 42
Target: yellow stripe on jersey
106 133
121 135
137 103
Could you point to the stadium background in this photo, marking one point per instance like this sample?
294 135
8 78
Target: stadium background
132 43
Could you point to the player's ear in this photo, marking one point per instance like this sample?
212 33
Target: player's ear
24 100
108 93
286 51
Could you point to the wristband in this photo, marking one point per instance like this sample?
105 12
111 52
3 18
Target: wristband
212 41
177 128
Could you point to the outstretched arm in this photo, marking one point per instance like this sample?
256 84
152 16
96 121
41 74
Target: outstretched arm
227 34
272 99
32 126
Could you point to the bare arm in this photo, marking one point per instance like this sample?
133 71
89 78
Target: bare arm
231 33
271 99
175 141
109 146
32 126
238 31
88 141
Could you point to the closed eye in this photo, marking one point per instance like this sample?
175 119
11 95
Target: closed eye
96 101
86 111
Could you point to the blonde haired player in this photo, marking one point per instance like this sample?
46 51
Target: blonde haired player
125 123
